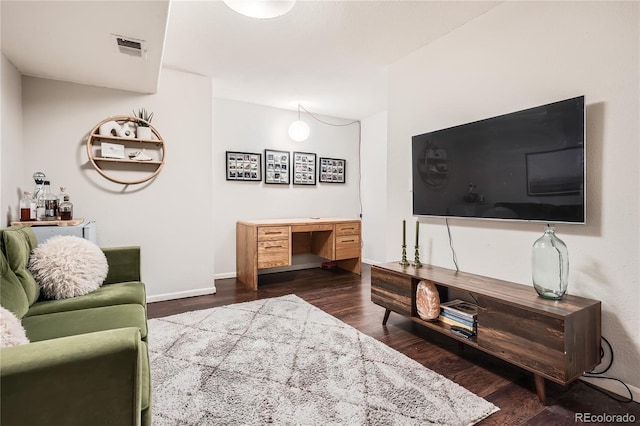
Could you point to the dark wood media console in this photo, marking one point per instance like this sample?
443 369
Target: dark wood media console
555 340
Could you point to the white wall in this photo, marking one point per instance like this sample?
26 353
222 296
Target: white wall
171 216
519 55
374 179
244 127
11 151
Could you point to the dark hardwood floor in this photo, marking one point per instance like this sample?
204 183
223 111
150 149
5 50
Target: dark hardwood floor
347 297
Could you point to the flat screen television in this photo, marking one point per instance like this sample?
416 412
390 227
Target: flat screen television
528 165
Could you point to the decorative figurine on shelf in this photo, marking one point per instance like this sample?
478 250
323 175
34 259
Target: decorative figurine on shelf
110 128
404 261
416 263
140 156
427 301
126 131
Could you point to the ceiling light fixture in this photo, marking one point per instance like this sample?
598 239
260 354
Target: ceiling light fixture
299 130
261 9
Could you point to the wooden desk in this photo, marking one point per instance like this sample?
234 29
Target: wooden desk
262 244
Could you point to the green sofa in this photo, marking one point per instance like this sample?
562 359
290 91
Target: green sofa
87 362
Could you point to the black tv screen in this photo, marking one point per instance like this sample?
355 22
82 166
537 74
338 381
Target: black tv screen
527 165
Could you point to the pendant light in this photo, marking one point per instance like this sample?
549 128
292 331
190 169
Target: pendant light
261 9
299 130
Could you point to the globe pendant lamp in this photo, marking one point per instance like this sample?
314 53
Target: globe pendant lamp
299 130
261 9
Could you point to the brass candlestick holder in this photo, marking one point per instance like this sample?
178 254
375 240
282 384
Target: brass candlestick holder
416 262
404 261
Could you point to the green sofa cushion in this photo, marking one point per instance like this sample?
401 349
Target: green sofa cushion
12 295
17 243
89 379
69 323
107 295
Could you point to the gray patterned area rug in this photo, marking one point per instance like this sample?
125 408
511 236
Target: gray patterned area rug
283 361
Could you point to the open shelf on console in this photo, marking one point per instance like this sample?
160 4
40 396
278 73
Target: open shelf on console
443 328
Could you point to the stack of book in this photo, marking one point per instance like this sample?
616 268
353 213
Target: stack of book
459 313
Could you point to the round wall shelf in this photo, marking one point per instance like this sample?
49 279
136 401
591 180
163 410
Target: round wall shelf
112 148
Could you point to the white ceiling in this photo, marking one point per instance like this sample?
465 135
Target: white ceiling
329 56
72 41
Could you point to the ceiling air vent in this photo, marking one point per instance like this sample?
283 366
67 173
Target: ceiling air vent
130 46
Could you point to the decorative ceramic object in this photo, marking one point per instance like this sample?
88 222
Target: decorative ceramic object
110 128
127 131
142 156
143 132
550 265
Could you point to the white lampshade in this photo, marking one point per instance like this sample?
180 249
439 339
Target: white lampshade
299 131
261 9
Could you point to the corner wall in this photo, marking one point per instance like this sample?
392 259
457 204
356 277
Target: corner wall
11 149
374 178
519 55
170 217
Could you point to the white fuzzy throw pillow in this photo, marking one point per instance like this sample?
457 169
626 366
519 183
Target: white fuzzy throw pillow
11 331
66 266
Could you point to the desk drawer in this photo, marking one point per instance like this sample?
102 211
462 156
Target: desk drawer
273 253
347 246
267 233
348 228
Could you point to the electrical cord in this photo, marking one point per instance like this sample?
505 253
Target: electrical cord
325 122
598 375
359 123
453 251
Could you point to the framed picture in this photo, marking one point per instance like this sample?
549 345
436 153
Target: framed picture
304 168
276 167
244 166
332 170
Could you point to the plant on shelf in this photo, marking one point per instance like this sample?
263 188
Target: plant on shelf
143 119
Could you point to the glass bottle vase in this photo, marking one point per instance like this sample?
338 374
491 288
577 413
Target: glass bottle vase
550 265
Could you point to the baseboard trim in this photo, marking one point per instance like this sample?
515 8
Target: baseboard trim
224 275
371 262
182 294
614 386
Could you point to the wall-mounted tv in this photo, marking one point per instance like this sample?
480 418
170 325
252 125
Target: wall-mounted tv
528 165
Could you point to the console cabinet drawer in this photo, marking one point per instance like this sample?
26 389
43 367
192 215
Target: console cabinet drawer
391 291
348 228
523 337
273 253
266 233
347 246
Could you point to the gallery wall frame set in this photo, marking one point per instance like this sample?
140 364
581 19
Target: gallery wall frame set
332 170
280 165
244 166
304 168
276 167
